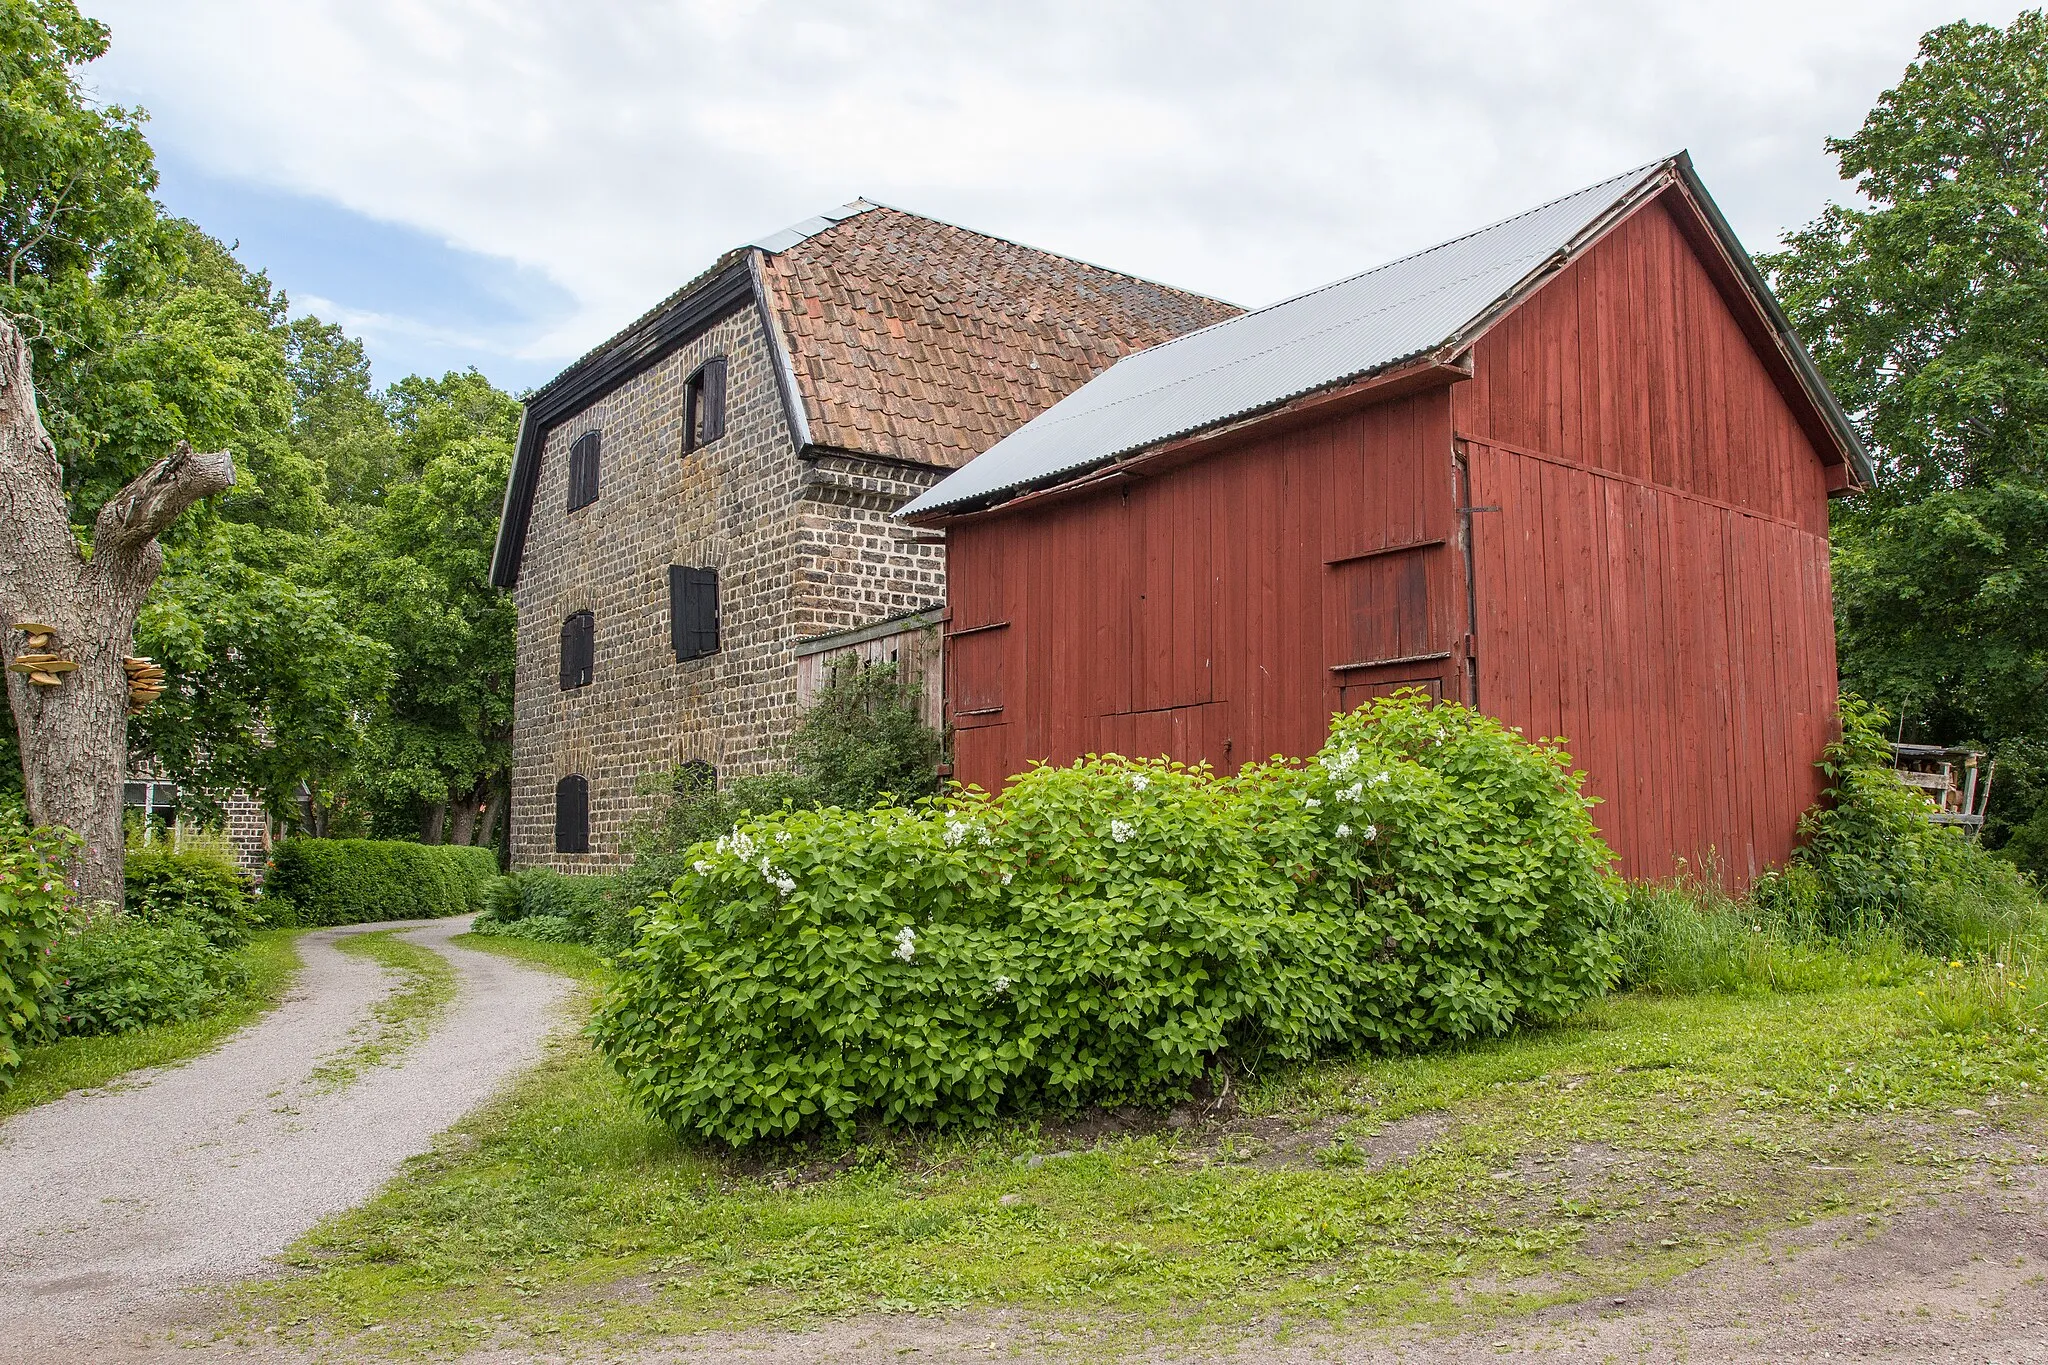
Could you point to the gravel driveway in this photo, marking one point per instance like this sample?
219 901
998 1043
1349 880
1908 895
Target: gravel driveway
197 1174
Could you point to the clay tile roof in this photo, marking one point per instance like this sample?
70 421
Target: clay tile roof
917 340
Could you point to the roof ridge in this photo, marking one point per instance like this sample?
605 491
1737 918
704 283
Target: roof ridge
1057 255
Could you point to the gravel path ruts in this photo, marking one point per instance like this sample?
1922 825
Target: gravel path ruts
200 1173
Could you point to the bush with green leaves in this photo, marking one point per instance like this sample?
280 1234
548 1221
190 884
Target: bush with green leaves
1870 858
1106 932
192 888
863 741
549 907
36 902
362 881
119 972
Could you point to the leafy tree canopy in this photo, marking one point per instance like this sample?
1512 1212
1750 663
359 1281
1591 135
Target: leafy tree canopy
1927 309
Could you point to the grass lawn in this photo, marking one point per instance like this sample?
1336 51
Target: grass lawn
1644 1139
55 1069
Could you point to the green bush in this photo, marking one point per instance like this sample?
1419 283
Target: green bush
361 881
1102 932
544 905
119 972
1872 860
194 888
35 903
863 741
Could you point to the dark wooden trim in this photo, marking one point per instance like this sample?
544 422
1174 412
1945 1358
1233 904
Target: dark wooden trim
1385 550
980 711
582 384
1391 663
976 630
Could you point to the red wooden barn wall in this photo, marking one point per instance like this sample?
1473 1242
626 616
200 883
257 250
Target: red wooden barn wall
1654 587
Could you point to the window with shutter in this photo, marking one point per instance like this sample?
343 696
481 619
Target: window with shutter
579 650
572 815
692 611
583 461
704 405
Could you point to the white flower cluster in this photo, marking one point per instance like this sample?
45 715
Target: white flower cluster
702 866
906 943
1340 767
1121 830
1354 792
1139 782
1001 985
777 878
738 844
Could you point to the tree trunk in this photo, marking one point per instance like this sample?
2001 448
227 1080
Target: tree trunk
464 820
493 813
74 733
433 822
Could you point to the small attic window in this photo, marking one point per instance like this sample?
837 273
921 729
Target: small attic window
583 470
704 405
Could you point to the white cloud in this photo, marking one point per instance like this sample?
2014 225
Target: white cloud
1250 151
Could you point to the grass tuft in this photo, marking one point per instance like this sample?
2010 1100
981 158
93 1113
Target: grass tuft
402 1018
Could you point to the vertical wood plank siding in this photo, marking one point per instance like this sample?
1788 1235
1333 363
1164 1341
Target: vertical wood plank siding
1653 588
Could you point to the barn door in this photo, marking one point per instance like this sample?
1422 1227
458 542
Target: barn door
1387 622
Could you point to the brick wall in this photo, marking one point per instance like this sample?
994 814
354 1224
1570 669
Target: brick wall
726 506
854 562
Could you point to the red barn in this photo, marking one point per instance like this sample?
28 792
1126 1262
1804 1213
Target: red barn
1572 469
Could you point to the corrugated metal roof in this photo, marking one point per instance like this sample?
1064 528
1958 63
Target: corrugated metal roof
1327 337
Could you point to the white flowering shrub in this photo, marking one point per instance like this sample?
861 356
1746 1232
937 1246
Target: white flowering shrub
1102 932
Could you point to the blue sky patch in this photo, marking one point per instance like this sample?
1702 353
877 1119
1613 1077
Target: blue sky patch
420 305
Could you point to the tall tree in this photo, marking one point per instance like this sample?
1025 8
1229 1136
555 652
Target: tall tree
74 182
418 573
1928 312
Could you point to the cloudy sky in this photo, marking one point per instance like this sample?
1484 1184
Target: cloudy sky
503 183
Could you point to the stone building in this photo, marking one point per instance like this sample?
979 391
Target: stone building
698 516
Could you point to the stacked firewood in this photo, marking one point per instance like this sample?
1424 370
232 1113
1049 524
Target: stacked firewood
41 656
145 681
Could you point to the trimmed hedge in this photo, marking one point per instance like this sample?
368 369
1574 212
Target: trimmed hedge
317 882
1104 932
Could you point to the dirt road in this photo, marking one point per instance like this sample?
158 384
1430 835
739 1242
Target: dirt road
113 1201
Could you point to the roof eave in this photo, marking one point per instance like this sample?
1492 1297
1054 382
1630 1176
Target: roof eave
1849 443
627 355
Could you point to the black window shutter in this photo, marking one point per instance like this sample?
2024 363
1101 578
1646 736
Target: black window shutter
579 650
572 815
692 611
704 611
583 469
714 400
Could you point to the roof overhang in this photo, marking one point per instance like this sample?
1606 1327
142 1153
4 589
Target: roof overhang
1399 381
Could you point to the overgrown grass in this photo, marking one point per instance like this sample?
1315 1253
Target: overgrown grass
400 1019
1638 1141
55 1069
